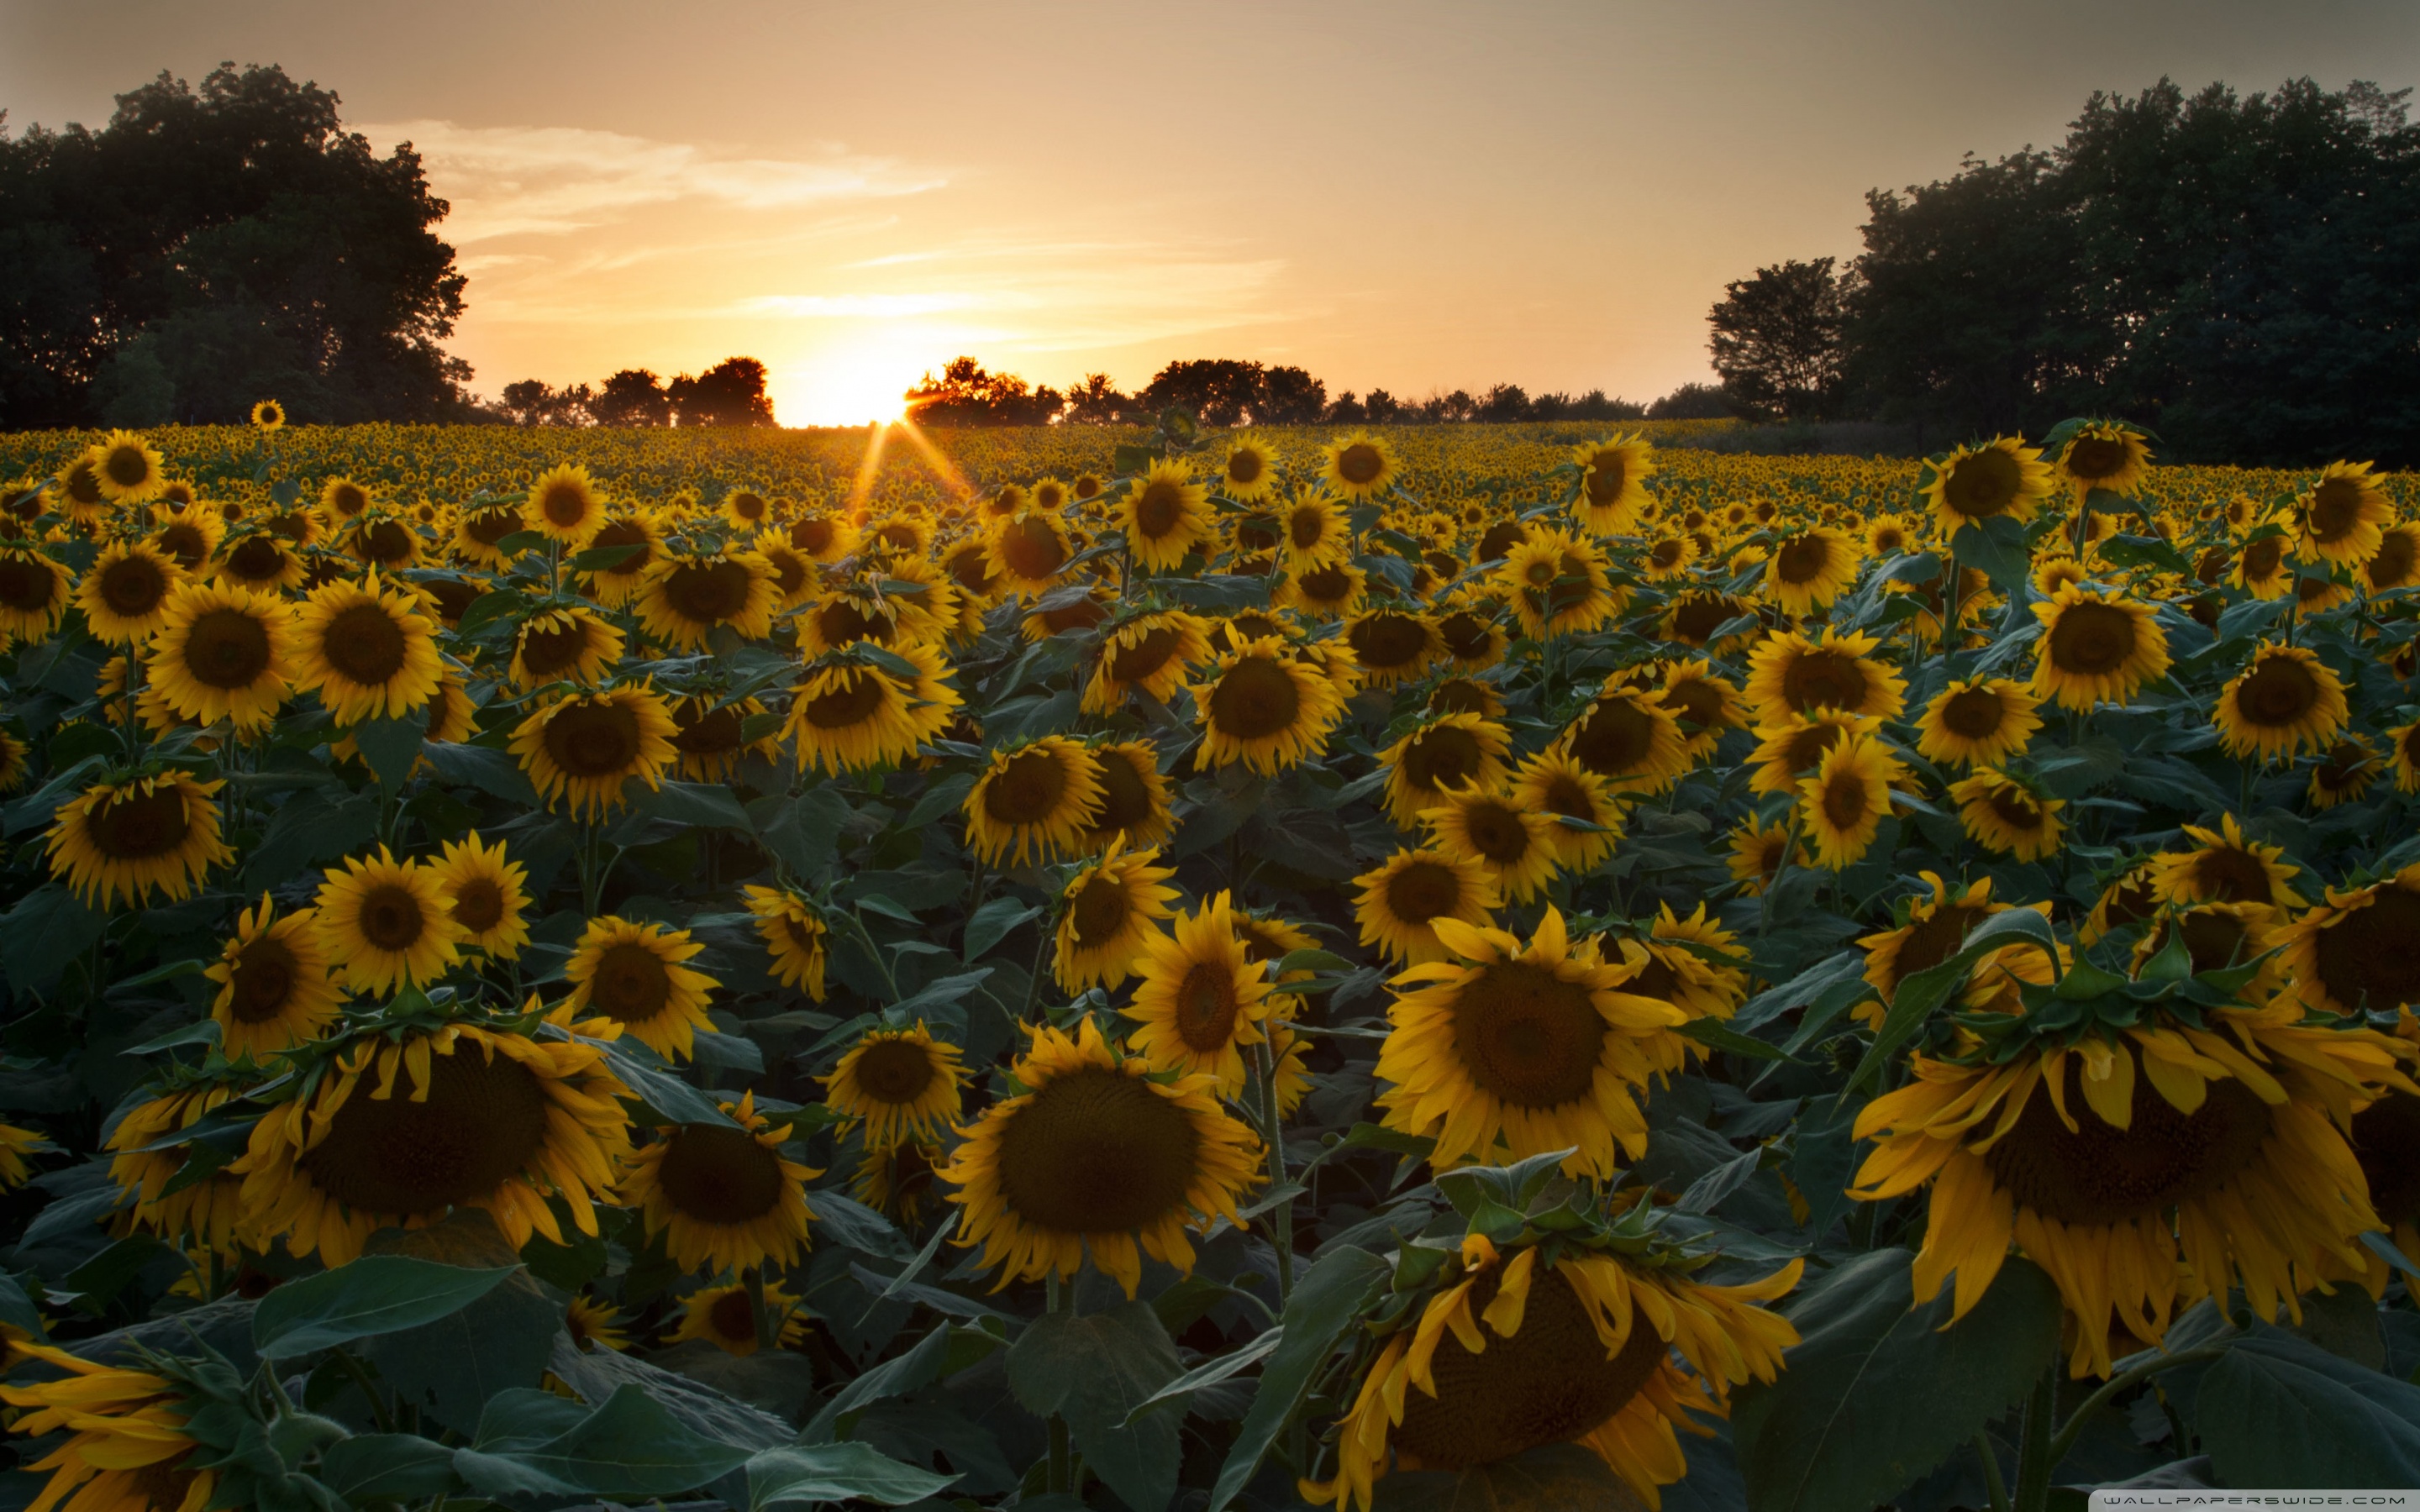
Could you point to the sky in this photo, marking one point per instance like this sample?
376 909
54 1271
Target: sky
1405 194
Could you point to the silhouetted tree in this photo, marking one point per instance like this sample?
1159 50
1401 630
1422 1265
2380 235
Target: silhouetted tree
1096 401
965 394
1777 339
1348 410
1693 401
210 247
1219 391
633 396
531 402
731 392
1289 397
1504 402
1381 407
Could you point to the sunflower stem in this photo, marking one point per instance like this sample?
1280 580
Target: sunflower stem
1281 1216
2064 1439
1996 1486
754 1279
360 1377
1062 1299
2034 1459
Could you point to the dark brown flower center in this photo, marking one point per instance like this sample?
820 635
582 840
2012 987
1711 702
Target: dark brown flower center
718 1175
1423 890
364 644
2231 876
2335 510
1100 910
349 498
262 980
1527 1037
1616 738
384 542
1847 804
134 586
1497 832
2386 1139
390 917
482 1122
2369 958
1160 509
1244 467
138 826
2278 691
631 984
1256 698
26 585
2092 458
709 732
1027 789
1385 640
1206 1008
731 1315
1830 678
478 904
1138 659
1126 800
1097 1151
1974 713
593 739
708 592
127 465
1360 464
2101 1175
1803 559
1031 549
895 1071
856 697
565 504
226 648
2092 638
551 647
1984 483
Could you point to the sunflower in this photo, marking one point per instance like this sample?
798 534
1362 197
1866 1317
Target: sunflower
2261 568
136 836
1887 535
189 534
1200 997
486 896
849 716
2318 594
2127 900
795 936
2359 952
712 738
1165 514
35 591
565 506
900 1083
2051 574
223 653
1148 654
1580 1345
1495 828
631 976
2096 648
745 509
1844 800
127 469
2141 1167
2285 701
366 651
1808 569
2216 937
1313 533
408 1124
1251 472
1109 914
1094 1154
387 924
563 645
968 565
1557 585
261 560
2004 814
1471 628
80 495
381 542
2343 516
2225 867
897 1180
724 1197
1933 930
1533 1048
276 989
1612 489
1555 785
1393 646
1794 674
15 1145
594 1325
617 585
14 754
2397 562
2001 477
208 1214
582 750
685 598
124 595
1756 850
1466 695
2345 772
1358 466
1327 592
2105 454
1629 736
1703 704
1261 706
1671 965
1033 801
1027 550
1439 757
127 1448
269 415
827 538
341 499
1667 556
725 1316
1979 721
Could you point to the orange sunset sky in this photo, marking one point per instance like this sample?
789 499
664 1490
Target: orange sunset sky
1408 195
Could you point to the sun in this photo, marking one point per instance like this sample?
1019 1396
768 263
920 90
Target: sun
844 386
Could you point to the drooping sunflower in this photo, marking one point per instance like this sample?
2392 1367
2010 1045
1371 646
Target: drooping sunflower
1935 928
897 1180
1358 466
2216 937
14 754
1135 800
1251 472
2225 866
2000 477
1493 827
2342 519
2285 701
1165 514
261 560
1612 491
724 1198
1108 913
34 592
208 1214
486 895
1977 721
1436 758
1557 585
632 978
1704 703
2105 454
851 717
124 595
1201 998
1756 852
795 936
594 1325
581 752
2358 952
127 1448
684 599
2096 648
825 538
1466 695
1797 673
1808 569
381 542
276 987
1629 736
136 836
2005 814
1033 801
386 924
1845 799
2141 1167
80 496
712 737
563 645
795 574
900 1083
1399 904
1471 628
1608 1347
409 1123
1393 646
1261 706
563 505
1671 965
1148 654
223 653
366 651
1094 1154
1584 817
1511 1050
1313 533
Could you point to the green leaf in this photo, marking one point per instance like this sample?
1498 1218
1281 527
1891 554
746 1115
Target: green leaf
1875 1395
1996 547
388 1467
603 558
492 771
1327 1303
375 1294
896 1376
520 541
1129 458
629 1447
803 831
1210 1372
493 605
1721 1036
1094 1371
1918 995
993 922
1312 960
48 928
2278 1411
707 805
310 829
1556 1477
942 797
453 1366
676 1101
390 746
836 1472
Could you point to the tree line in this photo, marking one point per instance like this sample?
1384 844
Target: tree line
2235 274
731 392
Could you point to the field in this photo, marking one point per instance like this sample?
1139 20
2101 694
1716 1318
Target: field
1451 966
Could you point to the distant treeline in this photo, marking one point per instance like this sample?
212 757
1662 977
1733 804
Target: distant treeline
2235 274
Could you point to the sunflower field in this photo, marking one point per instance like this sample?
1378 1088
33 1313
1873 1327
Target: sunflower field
1184 969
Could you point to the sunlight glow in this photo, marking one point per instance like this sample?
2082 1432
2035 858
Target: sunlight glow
844 384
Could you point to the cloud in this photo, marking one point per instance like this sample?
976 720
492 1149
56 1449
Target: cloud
542 180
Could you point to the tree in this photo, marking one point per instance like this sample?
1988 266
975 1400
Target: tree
1096 401
210 247
531 402
1348 410
731 392
1291 396
633 396
1694 401
1777 339
1504 402
1219 391
965 394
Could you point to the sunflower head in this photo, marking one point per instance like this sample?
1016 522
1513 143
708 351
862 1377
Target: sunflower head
1251 472
131 836
2106 454
2002 477
1613 474
1358 466
1109 914
633 980
563 505
2096 647
899 1082
722 1195
269 415
583 750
